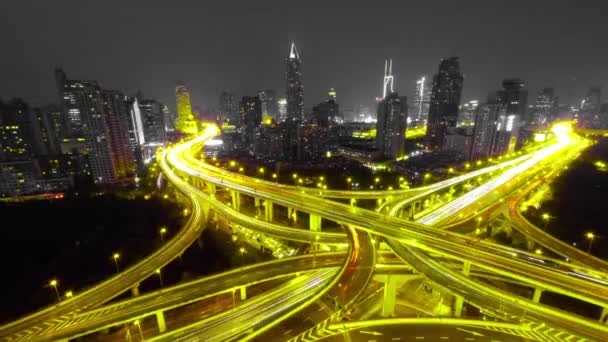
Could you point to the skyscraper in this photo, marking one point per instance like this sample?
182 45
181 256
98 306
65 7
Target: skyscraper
591 102
327 112
484 129
467 112
101 118
391 125
20 136
270 107
229 107
544 108
295 90
445 99
387 82
185 122
251 117
514 97
282 108
422 97
153 121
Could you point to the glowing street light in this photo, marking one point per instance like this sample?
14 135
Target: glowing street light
538 251
590 236
69 294
163 231
54 283
116 256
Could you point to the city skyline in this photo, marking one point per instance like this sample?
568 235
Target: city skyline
340 61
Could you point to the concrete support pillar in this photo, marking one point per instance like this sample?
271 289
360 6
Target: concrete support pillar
268 211
211 188
135 290
604 316
289 213
379 202
466 268
537 293
256 201
236 199
389 295
353 201
160 320
315 222
243 292
458 306
530 244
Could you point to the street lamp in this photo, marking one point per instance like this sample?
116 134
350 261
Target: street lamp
116 256
160 277
590 236
163 231
69 294
546 217
54 283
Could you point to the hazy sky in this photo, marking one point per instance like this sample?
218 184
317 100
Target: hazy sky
241 45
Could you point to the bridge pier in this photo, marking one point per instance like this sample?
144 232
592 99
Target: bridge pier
160 320
243 292
315 222
353 201
604 316
459 303
235 196
135 290
537 294
256 202
211 187
268 211
391 283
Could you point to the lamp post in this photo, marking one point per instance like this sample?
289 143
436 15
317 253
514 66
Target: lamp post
69 294
115 257
590 236
54 283
546 217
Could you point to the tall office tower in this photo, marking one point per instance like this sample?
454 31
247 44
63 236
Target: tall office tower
185 123
169 119
422 98
229 107
20 136
544 108
122 136
251 117
391 125
505 133
51 129
467 113
153 121
514 97
282 108
77 99
295 90
591 102
270 106
483 131
327 112
101 118
445 99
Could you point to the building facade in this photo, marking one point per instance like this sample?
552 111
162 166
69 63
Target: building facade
295 89
391 126
444 103
185 122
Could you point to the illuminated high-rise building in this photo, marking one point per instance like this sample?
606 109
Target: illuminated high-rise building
514 97
101 118
20 136
391 125
295 90
467 112
229 107
270 107
591 102
544 108
153 121
251 118
422 97
282 108
444 103
186 122
483 131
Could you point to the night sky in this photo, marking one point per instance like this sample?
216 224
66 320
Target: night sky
241 45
